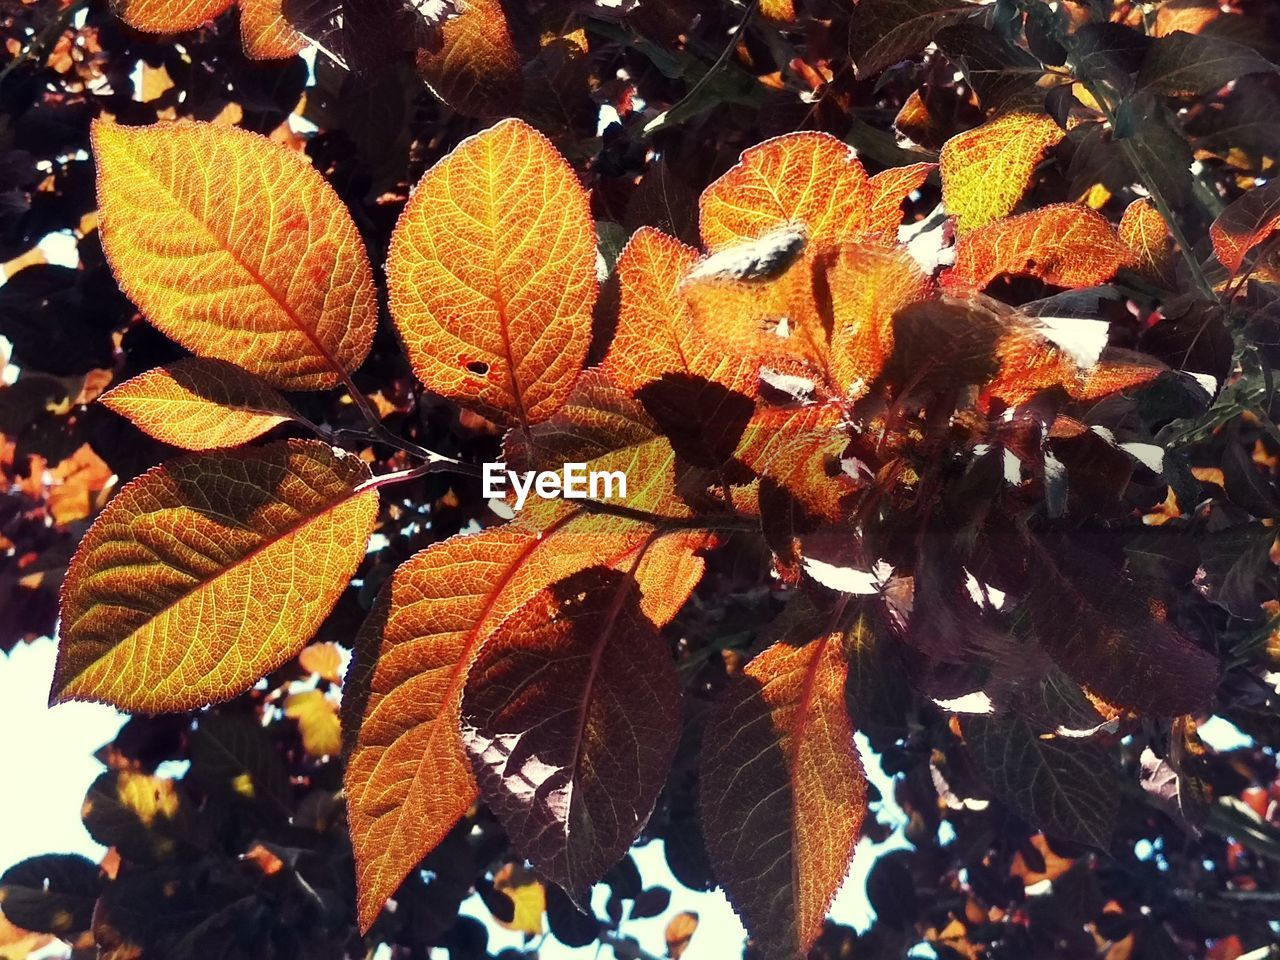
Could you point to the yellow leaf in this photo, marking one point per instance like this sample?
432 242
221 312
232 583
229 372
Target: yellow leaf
324 660
491 276
317 718
265 32
200 404
528 895
237 248
986 170
205 573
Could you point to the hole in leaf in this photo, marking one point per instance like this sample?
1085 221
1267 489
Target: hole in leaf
477 367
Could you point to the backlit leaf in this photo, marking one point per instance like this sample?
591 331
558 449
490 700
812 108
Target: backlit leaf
200 404
317 718
680 930
783 793
1065 786
146 818
168 16
1245 223
1145 233
800 178
798 448
986 170
492 276
571 714
267 35
655 333
1185 64
205 573
605 428
408 780
1064 244
889 189
1030 362
475 69
237 248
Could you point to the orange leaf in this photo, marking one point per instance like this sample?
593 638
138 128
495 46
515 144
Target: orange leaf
655 334
408 780
1064 244
492 276
798 448
779 765
1248 221
1145 233
205 573
986 170
476 69
265 32
324 660
237 248
680 931
889 189
603 427
200 404
168 16
830 314
79 482
782 11
800 178
570 715
1029 363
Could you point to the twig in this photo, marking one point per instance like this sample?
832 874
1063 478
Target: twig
39 44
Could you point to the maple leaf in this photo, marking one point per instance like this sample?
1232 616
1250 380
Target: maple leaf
491 276
779 766
1065 244
809 179
248 550
986 170
1246 222
408 780
571 714
200 404
475 68
237 248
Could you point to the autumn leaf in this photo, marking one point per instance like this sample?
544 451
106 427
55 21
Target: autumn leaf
168 16
200 404
527 895
655 333
1064 786
986 170
810 179
1248 221
1031 362
779 766
237 248
889 189
408 780
324 660
1064 244
798 447
317 718
246 550
605 428
492 278
1147 236
475 69
570 715
267 35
